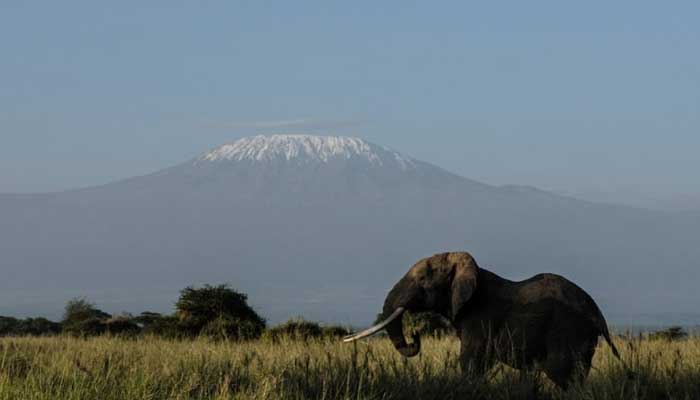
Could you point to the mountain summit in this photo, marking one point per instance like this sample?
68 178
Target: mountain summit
308 149
304 169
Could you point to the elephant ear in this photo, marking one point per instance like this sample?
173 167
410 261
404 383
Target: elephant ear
464 281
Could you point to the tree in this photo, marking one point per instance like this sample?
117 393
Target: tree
80 309
82 318
199 307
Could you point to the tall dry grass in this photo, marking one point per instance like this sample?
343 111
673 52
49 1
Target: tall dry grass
151 368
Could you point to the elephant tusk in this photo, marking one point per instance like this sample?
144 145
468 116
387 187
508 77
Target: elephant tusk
371 331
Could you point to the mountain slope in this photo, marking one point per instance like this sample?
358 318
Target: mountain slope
322 227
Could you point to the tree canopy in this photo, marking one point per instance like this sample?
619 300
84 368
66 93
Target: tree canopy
220 305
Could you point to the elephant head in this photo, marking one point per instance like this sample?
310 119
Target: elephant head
443 283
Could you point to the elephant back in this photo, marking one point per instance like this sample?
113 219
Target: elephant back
544 287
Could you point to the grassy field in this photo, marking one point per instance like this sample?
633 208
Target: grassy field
109 368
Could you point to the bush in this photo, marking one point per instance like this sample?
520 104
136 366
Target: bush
197 308
146 318
225 328
38 327
10 326
86 328
670 334
300 329
335 331
297 329
122 325
163 326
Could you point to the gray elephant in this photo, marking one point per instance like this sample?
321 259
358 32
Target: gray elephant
545 321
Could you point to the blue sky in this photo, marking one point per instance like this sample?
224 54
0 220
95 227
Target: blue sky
596 99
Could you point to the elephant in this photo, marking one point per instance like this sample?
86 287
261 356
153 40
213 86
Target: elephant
546 321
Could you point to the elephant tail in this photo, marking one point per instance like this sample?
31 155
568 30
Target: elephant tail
630 373
603 329
606 335
599 321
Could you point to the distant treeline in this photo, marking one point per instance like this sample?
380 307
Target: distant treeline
217 312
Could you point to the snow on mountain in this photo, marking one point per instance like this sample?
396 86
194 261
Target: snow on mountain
308 149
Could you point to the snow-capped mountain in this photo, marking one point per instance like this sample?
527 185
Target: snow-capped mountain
286 170
309 150
322 227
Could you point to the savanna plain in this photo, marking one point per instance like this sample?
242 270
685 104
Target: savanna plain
106 368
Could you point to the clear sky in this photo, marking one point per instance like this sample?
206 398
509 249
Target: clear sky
598 99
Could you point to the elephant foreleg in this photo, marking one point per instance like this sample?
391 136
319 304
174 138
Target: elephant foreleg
475 361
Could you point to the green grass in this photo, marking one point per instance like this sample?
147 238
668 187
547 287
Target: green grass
151 368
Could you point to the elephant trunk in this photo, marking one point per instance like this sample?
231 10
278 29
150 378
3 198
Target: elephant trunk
395 328
395 331
401 298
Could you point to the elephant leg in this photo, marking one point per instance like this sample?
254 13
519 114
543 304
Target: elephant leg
559 368
474 360
570 343
475 365
565 366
